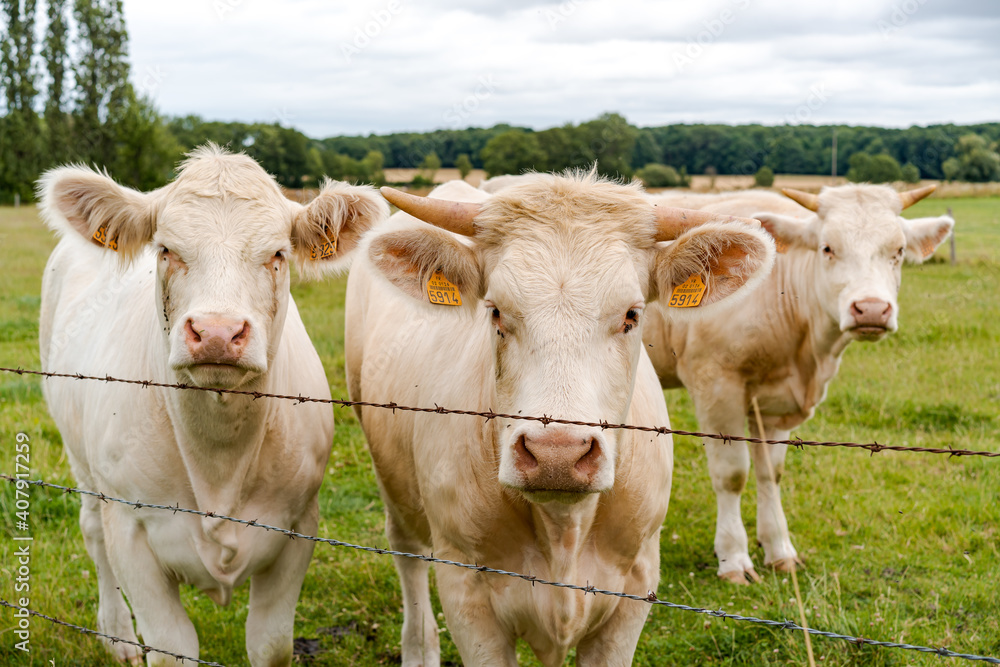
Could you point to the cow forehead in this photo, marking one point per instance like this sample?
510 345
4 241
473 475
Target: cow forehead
234 223
858 226
589 280
567 211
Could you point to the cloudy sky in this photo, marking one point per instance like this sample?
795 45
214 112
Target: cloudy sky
363 66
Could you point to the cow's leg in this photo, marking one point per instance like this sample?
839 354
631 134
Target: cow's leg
772 528
274 593
481 640
113 615
155 596
421 647
729 467
614 643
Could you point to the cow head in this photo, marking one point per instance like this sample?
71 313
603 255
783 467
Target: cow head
222 235
860 241
554 273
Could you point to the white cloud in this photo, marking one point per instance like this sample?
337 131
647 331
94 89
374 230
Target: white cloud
395 65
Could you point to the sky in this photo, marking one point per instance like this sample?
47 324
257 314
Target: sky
330 67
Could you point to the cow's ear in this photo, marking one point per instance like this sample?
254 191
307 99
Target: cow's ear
924 235
711 263
429 265
329 228
789 232
78 200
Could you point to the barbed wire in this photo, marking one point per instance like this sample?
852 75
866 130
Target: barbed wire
649 598
873 447
114 640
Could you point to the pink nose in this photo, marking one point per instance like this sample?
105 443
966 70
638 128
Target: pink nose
216 340
557 461
871 313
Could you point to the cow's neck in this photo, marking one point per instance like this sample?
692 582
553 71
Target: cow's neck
562 532
219 437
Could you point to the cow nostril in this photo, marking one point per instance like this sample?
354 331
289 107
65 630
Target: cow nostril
243 333
590 462
192 335
523 457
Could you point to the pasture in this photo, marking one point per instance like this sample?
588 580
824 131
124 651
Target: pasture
898 546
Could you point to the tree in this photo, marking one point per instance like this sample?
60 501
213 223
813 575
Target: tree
147 152
56 54
910 173
430 166
20 129
655 175
512 152
867 168
611 139
102 77
975 161
372 164
764 178
464 165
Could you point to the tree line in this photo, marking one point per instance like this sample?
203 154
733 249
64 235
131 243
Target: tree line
69 98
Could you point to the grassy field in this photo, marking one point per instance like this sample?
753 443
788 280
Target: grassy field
899 547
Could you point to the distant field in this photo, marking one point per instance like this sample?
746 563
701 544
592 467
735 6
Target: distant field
703 183
899 547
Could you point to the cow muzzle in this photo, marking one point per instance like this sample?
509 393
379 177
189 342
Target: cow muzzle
561 460
871 318
216 340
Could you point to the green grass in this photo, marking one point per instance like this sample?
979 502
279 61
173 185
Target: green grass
899 547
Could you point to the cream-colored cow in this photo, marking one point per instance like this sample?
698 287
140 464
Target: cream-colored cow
837 282
532 302
196 293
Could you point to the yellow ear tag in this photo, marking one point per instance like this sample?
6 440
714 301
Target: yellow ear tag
101 236
442 291
927 247
780 245
327 249
689 293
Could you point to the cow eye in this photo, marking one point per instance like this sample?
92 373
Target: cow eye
828 251
631 320
496 314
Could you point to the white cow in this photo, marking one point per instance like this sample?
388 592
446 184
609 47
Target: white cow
534 307
837 282
198 292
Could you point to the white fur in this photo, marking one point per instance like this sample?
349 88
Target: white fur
563 260
222 220
783 343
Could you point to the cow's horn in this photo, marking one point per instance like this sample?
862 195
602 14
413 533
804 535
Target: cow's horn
807 199
454 216
913 196
672 222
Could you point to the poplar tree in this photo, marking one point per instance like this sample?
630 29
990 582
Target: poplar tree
20 125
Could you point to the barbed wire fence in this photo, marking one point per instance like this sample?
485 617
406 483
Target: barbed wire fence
650 598
873 447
